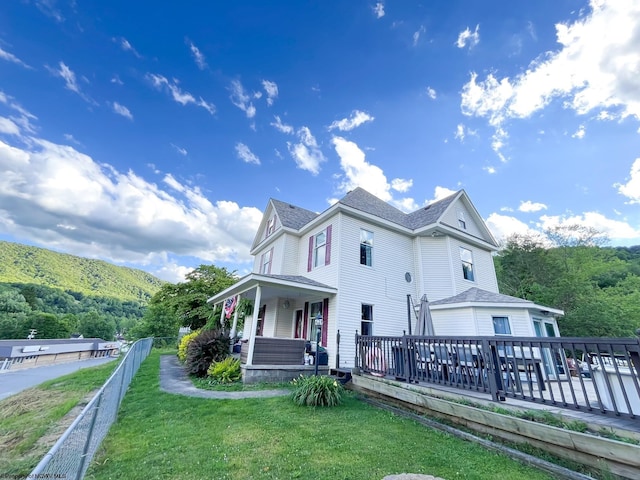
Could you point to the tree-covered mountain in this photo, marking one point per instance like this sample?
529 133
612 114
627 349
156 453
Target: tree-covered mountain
58 295
32 265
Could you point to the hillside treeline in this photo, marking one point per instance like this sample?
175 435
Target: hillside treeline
55 313
597 287
31 265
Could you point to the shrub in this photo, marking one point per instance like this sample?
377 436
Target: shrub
317 391
207 347
225 371
184 343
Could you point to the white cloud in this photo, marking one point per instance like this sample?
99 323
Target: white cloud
631 189
441 192
614 229
172 272
198 57
246 155
183 98
126 46
489 169
54 196
241 99
116 79
417 33
579 133
401 185
432 93
180 150
378 9
272 91
70 81
503 226
467 37
122 110
70 138
10 57
595 68
459 135
8 127
306 152
530 206
281 127
347 124
358 172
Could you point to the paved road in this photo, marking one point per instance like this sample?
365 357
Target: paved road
12 382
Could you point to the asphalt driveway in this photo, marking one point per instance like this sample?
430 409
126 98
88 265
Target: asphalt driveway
14 381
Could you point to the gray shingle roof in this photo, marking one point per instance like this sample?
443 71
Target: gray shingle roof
364 201
291 216
476 295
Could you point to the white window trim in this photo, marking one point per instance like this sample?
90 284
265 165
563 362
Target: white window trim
370 246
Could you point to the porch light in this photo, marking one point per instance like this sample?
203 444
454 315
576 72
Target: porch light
318 328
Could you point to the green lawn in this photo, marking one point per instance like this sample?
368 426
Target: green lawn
32 420
163 436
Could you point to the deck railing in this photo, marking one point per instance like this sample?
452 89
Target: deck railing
598 375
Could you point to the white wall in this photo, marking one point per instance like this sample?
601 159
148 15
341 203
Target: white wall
484 270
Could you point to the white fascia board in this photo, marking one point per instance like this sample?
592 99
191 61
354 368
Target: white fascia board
524 304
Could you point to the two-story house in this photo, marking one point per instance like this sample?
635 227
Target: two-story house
354 265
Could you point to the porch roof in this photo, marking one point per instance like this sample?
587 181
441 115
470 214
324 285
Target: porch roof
289 286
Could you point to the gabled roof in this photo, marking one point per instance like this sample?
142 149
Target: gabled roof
291 216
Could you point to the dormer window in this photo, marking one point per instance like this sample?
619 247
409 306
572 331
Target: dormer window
271 226
461 221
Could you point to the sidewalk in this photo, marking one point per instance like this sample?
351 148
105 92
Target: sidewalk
174 379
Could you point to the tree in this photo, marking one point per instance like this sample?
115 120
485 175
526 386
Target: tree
158 321
188 300
92 325
47 325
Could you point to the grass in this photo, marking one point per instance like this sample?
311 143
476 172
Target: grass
31 421
164 436
208 383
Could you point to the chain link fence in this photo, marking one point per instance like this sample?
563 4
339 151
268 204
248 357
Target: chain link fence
69 458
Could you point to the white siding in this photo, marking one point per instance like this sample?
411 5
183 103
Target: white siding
289 264
519 320
455 322
382 285
436 268
285 319
326 274
483 268
451 218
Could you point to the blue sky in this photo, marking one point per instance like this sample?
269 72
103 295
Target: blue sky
152 134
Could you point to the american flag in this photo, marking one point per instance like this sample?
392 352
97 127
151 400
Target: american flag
230 305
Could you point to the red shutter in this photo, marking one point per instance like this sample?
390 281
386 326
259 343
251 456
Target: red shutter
327 256
306 317
325 320
310 259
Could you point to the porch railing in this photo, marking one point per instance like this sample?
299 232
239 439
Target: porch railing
597 375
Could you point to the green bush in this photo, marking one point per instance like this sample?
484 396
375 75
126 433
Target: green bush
317 391
184 343
207 347
225 371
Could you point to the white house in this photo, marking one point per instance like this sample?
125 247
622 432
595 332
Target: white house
354 265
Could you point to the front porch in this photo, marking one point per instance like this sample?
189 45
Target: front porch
279 340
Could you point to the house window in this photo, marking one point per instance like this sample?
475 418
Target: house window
366 247
271 226
265 266
461 221
501 326
314 310
366 324
467 264
319 249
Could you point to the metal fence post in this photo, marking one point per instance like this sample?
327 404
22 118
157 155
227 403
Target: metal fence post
87 443
405 358
494 375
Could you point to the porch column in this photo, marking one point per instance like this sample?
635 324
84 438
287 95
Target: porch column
254 324
234 327
222 315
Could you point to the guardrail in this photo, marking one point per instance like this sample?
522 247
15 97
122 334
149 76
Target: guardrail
597 375
70 456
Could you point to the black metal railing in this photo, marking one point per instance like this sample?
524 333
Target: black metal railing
598 375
